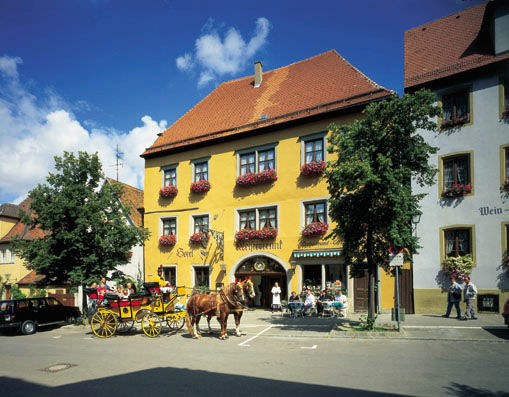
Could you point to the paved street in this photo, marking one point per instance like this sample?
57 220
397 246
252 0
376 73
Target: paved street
275 356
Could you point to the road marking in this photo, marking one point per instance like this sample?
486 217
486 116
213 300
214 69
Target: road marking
312 347
57 337
256 336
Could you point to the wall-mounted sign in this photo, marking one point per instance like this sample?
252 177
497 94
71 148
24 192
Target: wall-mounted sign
259 266
251 246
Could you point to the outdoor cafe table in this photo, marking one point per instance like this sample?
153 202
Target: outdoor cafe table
295 308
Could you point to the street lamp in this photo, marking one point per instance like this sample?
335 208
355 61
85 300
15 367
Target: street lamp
415 220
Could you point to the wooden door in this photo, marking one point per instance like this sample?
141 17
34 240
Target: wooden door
406 291
361 293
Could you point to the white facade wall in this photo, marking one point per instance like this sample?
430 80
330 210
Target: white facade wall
484 137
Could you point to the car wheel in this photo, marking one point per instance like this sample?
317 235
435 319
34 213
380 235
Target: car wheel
28 327
70 320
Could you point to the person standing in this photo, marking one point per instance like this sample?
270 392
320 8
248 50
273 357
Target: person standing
276 297
469 294
453 298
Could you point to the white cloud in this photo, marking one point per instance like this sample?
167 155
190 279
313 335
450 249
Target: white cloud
33 130
216 56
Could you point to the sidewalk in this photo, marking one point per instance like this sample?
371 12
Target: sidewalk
488 327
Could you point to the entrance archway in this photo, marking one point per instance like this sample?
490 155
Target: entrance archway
264 271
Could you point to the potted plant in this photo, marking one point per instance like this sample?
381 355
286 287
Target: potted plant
313 168
505 186
458 266
198 238
315 229
457 190
267 233
168 240
200 187
251 179
454 121
168 191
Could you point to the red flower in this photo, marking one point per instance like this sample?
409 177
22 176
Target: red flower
313 168
456 190
315 229
267 233
168 191
251 179
199 237
200 186
168 240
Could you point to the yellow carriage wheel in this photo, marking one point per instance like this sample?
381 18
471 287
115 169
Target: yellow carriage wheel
104 324
151 325
176 321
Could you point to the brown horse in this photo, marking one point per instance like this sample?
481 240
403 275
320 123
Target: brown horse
248 287
230 298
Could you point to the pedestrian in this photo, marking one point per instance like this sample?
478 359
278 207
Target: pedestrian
276 297
453 298
469 294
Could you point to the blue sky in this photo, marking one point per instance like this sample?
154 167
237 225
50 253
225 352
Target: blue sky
87 75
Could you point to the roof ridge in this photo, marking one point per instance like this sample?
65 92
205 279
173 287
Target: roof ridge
123 183
447 16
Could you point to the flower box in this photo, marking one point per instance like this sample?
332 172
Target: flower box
267 233
313 168
251 179
167 240
457 190
315 229
505 186
505 113
199 238
458 267
200 187
168 191
452 122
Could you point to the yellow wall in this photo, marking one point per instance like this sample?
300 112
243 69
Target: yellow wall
16 270
388 289
6 224
224 198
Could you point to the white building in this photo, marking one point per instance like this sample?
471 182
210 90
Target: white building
464 59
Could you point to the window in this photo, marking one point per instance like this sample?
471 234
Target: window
315 212
506 95
313 150
170 274
456 170
201 223
506 153
457 242
170 226
170 177
257 160
201 171
455 105
201 276
258 218
6 255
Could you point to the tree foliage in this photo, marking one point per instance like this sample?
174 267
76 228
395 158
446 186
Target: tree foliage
370 182
84 221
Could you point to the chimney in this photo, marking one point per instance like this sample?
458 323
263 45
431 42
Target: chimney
258 74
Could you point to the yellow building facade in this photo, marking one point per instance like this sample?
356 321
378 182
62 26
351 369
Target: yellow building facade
287 204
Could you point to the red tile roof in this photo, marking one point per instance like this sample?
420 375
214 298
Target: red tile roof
449 45
9 210
133 199
316 85
22 230
31 278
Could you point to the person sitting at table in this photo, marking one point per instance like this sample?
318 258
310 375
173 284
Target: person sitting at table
293 298
309 302
341 299
319 304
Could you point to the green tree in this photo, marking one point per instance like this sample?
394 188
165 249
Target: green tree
84 222
370 182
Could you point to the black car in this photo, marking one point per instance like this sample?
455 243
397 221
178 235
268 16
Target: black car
27 314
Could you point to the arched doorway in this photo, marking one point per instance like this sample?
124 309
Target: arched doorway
264 272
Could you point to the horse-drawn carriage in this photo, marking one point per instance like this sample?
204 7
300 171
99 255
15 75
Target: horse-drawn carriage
149 307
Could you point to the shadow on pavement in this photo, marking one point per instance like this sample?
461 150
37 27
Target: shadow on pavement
457 389
502 333
177 382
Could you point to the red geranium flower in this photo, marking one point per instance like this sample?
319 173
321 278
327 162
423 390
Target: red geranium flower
168 240
168 191
200 186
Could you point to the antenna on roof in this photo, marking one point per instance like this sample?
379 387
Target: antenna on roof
118 156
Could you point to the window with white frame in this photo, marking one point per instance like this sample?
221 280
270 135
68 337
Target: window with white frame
201 276
6 255
315 212
169 226
258 218
313 148
201 171
257 160
201 223
2 255
169 176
